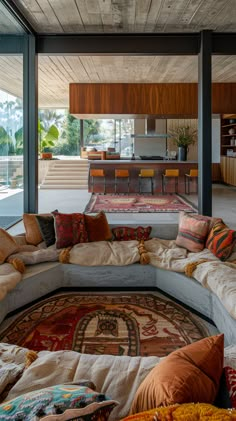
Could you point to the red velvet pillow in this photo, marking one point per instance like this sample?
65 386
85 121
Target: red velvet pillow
128 233
69 229
230 375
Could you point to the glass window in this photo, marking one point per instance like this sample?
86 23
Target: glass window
11 140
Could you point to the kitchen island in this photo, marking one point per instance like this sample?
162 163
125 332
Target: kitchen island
134 167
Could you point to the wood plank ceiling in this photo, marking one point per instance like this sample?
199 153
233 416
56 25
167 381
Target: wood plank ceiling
81 16
56 72
68 16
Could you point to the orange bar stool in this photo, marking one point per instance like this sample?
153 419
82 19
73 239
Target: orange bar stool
192 176
119 175
98 174
144 174
168 175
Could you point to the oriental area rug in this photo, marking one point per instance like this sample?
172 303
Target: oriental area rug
116 324
136 203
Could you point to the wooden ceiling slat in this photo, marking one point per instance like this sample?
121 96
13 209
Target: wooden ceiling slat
56 72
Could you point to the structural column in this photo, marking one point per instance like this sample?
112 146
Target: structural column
204 124
30 109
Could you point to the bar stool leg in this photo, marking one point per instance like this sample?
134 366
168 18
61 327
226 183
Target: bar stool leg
115 185
152 185
104 185
128 185
176 185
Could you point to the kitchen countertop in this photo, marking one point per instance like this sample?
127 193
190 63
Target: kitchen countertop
140 161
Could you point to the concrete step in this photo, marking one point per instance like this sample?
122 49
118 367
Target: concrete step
67 175
64 187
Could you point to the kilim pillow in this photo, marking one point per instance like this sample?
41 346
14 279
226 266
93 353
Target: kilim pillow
210 219
192 232
69 229
221 241
60 402
230 375
97 227
128 233
189 374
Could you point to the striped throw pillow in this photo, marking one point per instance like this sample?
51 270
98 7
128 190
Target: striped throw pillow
221 241
192 232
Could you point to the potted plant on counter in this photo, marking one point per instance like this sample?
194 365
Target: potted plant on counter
183 137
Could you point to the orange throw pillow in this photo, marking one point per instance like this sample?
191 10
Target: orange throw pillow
189 374
221 241
32 231
8 245
97 227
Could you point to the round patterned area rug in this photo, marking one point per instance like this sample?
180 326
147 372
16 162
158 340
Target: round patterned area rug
117 324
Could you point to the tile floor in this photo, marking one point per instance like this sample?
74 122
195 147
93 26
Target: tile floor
223 204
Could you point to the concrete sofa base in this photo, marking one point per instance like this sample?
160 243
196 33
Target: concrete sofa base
50 277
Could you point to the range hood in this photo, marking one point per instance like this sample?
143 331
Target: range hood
150 130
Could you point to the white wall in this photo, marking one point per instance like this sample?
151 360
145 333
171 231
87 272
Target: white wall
149 146
157 146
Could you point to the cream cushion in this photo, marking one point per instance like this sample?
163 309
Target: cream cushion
9 278
112 375
7 245
105 253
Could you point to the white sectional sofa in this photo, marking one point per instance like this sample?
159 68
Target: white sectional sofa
44 278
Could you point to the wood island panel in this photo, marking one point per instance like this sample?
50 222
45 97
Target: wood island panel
134 169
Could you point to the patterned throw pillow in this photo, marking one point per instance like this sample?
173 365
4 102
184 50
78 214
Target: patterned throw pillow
70 229
97 227
192 232
7 245
221 241
68 400
128 233
46 227
230 375
210 219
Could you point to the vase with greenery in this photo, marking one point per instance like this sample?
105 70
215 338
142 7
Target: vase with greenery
183 137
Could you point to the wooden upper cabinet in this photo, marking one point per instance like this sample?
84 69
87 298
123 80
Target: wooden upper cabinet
145 99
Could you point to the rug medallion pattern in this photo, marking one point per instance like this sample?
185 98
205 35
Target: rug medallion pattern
117 324
137 203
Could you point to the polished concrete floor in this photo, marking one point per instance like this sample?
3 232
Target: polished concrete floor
223 204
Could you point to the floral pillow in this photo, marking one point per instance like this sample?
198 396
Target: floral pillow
69 400
69 229
230 375
128 233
